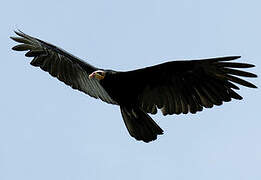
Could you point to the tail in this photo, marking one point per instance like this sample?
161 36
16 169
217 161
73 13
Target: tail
140 125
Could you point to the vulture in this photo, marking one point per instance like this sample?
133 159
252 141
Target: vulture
175 87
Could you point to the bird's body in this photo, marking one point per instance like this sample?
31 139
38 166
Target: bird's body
175 87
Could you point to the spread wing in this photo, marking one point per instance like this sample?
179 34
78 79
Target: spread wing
188 86
62 65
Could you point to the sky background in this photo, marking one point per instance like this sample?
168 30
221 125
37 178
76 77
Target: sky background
49 131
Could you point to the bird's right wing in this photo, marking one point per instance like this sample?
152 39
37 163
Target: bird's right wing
62 65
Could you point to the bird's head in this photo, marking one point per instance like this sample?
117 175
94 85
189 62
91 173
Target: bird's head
99 75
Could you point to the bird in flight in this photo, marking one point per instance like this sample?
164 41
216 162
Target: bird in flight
186 86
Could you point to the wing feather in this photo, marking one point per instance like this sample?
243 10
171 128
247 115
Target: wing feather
188 86
62 65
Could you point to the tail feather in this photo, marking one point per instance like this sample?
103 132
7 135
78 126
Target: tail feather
140 125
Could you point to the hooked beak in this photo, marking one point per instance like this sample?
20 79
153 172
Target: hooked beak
99 75
92 75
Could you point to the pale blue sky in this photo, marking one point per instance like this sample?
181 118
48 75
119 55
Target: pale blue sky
49 131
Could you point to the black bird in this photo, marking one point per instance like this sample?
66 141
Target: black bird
174 87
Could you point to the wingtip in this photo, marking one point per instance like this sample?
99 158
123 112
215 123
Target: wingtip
13 48
237 57
20 33
229 58
12 37
17 32
251 65
254 86
223 58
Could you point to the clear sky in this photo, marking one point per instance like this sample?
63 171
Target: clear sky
49 131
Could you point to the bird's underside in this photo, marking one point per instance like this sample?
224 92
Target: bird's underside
175 87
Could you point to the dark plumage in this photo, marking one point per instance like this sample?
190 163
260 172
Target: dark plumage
174 87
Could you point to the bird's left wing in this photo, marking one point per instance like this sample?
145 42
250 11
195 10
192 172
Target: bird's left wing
62 65
188 86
